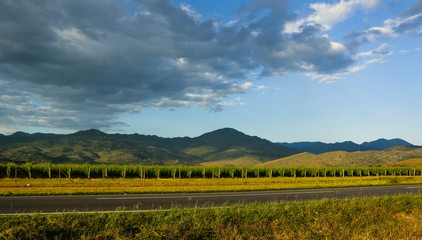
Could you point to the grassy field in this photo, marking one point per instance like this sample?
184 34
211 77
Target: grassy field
26 186
398 217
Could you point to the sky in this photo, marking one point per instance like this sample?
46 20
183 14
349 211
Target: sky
285 71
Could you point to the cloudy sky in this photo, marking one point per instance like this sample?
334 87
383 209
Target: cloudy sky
282 70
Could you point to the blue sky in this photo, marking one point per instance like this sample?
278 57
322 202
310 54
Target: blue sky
282 70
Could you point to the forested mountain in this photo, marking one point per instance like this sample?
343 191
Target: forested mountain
225 146
94 146
348 146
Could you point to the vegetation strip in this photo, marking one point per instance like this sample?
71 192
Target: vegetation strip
70 171
398 217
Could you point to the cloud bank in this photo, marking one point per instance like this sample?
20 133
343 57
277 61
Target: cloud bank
82 63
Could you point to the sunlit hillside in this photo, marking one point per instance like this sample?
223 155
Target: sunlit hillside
342 158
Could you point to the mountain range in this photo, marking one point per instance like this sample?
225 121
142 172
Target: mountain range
225 146
348 146
94 146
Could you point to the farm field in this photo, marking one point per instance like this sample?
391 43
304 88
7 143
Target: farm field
61 179
398 217
26 186
94 171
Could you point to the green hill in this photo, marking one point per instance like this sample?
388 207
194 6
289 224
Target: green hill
93 146
226 146
230 147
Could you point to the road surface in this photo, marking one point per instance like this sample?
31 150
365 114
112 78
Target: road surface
92 203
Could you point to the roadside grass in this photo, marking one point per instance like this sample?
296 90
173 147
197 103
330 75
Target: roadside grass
54 186
398 217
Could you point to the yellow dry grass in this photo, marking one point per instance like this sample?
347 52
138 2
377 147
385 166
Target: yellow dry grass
416 162
98 186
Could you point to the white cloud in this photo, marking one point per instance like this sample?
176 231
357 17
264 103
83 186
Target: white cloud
234 102
394 26
232 22
304 49
328 15
324 78
331 78
263 89
188 9
377 55
380 51
337 47
294 26
213 99
245 86
170 103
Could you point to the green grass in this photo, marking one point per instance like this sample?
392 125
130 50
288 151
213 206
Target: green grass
398 217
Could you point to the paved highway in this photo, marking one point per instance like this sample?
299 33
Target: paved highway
89 203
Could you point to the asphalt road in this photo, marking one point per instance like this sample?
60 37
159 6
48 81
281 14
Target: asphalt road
90 203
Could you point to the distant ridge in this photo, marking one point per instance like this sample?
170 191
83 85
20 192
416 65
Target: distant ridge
348 146
226 146
20 137
382 143
89 133
93 146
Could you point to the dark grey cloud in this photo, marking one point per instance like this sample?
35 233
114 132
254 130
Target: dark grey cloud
415 9
25 109
410 25
87 61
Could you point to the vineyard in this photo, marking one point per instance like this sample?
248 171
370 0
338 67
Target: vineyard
149 172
